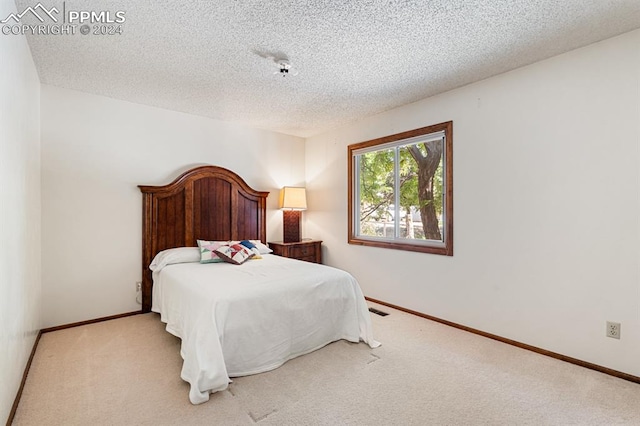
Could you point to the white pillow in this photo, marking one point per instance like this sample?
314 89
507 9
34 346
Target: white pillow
175 255
262 248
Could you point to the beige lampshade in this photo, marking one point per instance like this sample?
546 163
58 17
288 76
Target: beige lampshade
293 198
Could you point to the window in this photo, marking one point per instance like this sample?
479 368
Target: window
401 191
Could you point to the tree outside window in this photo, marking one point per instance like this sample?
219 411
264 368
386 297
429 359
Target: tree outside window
401 191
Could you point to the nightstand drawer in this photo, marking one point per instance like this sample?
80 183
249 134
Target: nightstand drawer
307 250
311 258
300 251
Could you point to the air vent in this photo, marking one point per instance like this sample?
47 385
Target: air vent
378 312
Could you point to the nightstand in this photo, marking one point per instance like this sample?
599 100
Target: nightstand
308 250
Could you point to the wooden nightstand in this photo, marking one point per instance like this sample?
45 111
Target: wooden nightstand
308 250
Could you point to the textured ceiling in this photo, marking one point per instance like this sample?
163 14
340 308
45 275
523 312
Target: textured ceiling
354 58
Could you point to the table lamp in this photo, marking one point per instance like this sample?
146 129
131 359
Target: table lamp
292 201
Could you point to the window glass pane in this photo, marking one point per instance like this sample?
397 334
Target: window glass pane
421 179
410 226
401 191
375 187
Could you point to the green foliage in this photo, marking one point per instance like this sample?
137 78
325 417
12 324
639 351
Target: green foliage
377 184
437 189
408 181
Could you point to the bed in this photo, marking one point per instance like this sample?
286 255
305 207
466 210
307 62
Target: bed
236 320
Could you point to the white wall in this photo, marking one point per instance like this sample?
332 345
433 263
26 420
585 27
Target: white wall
545 206
20 289
95 151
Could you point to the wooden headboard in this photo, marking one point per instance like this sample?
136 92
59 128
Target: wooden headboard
204 203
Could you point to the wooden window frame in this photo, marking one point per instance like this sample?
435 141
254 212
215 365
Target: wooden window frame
446 247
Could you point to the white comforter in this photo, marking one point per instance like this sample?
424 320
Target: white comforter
240 320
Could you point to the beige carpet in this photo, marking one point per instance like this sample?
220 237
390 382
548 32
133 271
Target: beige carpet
127 372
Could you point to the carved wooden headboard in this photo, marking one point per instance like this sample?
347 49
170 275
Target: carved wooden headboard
204 203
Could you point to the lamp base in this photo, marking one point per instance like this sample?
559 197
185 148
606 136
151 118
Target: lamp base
291 226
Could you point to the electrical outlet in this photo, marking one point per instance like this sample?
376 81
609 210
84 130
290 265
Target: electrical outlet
138 286
613 329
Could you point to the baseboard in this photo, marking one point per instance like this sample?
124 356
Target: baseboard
585 364
14 408
16 401
91 321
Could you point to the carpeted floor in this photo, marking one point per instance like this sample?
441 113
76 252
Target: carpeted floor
127 372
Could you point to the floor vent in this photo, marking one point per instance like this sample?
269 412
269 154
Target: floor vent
378 312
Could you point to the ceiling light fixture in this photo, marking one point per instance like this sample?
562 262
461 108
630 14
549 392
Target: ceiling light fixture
284 68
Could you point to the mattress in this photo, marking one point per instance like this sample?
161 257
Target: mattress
236 320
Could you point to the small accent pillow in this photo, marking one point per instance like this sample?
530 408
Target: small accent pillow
208 251
235 253
252 248
260 247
